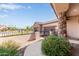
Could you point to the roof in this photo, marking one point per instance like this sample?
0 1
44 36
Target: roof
48 22
60 7
51 21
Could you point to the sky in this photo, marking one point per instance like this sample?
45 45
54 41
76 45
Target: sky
25 14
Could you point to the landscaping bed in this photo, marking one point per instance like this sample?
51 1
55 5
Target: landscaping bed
56 46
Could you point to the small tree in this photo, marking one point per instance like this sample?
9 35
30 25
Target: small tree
28 29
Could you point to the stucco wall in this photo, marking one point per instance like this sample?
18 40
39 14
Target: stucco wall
51 24
73 27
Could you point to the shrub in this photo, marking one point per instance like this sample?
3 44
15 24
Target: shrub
9 48
56 46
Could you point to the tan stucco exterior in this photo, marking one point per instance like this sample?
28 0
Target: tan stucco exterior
73 10
50 24
72 17
73 27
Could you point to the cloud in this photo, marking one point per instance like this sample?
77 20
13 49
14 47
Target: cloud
11 6
6 7
3 16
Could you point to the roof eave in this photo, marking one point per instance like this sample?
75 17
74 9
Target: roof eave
59 7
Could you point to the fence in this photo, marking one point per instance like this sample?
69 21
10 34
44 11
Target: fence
12 33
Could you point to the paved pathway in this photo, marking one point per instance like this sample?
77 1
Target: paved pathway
75 44
34 49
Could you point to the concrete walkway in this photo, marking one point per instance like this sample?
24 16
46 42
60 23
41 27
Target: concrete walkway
75 45
34 49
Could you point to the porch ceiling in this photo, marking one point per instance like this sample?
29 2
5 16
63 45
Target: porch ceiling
60 7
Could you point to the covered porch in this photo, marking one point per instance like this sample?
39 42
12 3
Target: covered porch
68 19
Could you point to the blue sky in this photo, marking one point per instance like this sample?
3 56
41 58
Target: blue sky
25 14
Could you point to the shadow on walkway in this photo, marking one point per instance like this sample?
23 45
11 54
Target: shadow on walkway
75 47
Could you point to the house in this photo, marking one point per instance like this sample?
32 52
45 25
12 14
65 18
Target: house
67 23
2 27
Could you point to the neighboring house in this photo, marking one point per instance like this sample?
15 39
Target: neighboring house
3 27
46 28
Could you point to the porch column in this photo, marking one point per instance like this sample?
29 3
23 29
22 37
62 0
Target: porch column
62 25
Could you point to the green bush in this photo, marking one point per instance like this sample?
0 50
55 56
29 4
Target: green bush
55 46
9 48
